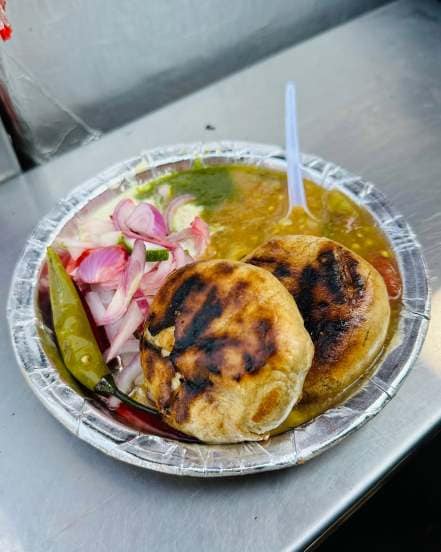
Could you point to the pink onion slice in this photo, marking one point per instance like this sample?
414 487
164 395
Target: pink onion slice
198 232
141 222
130 281
128 374
128 324
102 265
98 311
104 293
121 213
181 258
173 206
95 305
142 302
126 379
201 234
113 284
153 280
146 220
75 247
130 346
91 233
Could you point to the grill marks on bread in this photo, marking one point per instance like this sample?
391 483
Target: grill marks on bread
343 302
229 334
327 290
199 310
328 295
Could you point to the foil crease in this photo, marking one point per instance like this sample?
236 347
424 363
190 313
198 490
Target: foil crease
44 371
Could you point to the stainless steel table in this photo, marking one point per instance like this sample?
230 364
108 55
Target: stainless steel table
370 100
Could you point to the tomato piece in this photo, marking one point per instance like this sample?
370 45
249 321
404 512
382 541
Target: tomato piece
148 423
389 270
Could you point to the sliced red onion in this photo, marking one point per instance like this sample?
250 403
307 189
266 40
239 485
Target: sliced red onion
126 377
142 303
130 346
112 285
141 222
198 232
102 265
173 206
130 281
98 299
128 324
156 276
201 234
98 310
76 247
95 305
146 220
181 258
104 294
153 280
125 380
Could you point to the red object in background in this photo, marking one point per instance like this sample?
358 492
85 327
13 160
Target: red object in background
6 32
5 27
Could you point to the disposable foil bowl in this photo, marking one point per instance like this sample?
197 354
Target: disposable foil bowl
43 367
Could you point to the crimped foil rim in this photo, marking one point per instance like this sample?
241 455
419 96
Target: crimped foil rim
83 418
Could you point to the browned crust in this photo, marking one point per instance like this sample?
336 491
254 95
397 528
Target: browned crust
193 303
343 302
231 324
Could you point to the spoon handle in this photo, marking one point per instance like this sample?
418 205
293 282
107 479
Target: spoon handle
296 191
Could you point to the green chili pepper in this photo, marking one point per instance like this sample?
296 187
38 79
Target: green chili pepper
79 349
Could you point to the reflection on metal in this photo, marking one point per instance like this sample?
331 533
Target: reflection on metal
74 69
9 166
9 537
59 127
294 447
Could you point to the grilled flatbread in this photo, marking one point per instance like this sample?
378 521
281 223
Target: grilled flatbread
224 351
343 301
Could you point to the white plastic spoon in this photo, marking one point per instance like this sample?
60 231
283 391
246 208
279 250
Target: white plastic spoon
296 190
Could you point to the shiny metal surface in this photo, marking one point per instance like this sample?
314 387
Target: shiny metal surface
136 56
9 166
39 360
60 495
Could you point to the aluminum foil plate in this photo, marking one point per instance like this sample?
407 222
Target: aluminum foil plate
46 375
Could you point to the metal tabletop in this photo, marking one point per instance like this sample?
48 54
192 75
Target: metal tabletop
369 100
